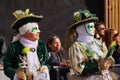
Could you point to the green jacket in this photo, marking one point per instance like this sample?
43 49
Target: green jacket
11 59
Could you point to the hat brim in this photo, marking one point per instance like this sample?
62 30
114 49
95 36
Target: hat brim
18 23
74 26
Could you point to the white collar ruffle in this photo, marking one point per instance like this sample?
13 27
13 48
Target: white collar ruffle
27 43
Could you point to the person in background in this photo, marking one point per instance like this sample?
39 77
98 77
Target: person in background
26 57
108 38
57 57
100 33
116 54
3 50
87 58
99 30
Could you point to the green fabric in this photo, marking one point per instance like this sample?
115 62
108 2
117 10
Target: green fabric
82 15
90 68
83 59
110 51
80 59
11 59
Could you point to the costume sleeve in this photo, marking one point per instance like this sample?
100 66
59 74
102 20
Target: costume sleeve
57 57
2 46
2 49
78 63
43 55
47 58
76 59
8 63
53 59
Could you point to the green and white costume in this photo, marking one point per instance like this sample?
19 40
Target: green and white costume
85 53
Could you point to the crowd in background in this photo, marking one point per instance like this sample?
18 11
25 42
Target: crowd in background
53 54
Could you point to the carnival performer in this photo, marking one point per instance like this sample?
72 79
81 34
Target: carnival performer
87 58
26 57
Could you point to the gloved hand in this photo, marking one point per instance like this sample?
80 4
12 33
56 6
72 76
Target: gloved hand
104 64
21 74
43 69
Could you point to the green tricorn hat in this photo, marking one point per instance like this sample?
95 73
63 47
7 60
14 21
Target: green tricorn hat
24 18
81 17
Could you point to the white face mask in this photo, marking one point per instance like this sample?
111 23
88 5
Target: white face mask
34 29
29 27
90 29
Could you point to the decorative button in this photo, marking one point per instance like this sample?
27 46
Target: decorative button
32 49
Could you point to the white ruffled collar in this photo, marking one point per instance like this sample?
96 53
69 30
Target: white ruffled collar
27 43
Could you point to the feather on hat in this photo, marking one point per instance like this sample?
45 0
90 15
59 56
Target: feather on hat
24 18
81 17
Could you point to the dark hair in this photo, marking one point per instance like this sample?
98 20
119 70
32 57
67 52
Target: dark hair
116 35
108 38
97 24
51 38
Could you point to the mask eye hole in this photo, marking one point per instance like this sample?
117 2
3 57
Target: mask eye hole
90 26
35 28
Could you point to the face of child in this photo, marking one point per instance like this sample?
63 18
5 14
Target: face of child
55 45
89 27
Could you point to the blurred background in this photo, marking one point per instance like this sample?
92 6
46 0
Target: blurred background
58 14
